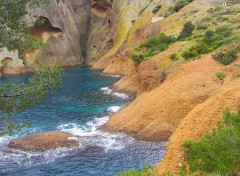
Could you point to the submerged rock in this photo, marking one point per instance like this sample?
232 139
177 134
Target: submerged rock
45 141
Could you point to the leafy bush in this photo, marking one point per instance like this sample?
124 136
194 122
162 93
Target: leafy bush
221 75
218 151
157 8
190 54
211 41
224 31
227 58
135 172
153 46
187 30
209 33
137 57
174 56
180 4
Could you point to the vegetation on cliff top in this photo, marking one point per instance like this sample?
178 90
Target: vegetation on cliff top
17 97
216 33
218 152
153 46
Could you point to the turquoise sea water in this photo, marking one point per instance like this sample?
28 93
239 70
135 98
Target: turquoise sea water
83 104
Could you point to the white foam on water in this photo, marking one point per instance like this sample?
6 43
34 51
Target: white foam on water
26 158
94 136
10 156
107 90
113 109
115 76
89 134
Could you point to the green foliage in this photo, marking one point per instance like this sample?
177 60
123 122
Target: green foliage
14 31
224 31
138 57
228 57
180 4
157 8
209 33
221 75
211 41
17 97
174 57
187 30
153 46
135 172
218 151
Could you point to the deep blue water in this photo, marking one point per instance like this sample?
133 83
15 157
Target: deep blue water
82 104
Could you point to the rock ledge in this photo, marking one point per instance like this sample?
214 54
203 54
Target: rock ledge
44 141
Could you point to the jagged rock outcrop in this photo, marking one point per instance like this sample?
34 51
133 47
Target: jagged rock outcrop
45 141
10 63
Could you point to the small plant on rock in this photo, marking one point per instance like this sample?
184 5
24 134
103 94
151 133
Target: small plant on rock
174 57
221 75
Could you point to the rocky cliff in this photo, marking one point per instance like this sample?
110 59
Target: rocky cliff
79 31
176 100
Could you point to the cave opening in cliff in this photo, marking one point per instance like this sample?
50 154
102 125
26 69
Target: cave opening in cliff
43 26
99 9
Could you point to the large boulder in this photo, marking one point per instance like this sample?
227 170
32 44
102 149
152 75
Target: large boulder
45 141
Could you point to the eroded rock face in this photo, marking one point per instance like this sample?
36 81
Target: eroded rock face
10 63
155 115
201 120
45 141
108 37
66 33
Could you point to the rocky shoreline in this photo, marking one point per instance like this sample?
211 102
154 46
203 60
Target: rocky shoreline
45 141
175 99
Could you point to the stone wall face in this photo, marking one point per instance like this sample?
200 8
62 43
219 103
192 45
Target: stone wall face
65 49
81 30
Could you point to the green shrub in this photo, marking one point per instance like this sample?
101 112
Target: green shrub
187 30
157 8
196 50
180 4
221 75
153 46
218 151
224 31
189 54
227 58
201 48
135 172
137 57
209 33
174 57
